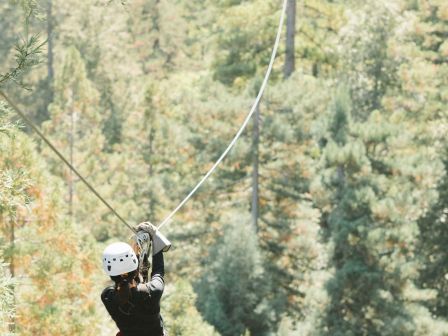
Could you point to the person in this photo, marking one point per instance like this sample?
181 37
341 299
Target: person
134 306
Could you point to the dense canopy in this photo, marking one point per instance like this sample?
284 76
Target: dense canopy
328 217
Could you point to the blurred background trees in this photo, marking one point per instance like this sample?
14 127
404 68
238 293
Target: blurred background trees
327 218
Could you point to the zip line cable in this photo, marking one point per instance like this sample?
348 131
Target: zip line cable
205 177
246 121
73 169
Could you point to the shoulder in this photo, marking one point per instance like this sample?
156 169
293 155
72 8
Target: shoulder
143 288
107 293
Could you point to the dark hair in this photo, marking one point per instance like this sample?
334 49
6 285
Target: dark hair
122 286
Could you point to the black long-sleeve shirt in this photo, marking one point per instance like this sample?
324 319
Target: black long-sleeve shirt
141 316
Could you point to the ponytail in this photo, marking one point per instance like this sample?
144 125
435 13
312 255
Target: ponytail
123 287
124 292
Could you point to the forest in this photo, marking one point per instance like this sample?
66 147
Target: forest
329 216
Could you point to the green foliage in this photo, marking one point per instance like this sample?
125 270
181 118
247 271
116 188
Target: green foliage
75 128
233 288
433 240
289 221
179 312
30 7
374 246
28 54
340 119
28 49
242 51
33 228
319 23
146 94
365 53
7 308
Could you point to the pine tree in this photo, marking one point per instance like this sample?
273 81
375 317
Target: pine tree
423 98
367 63
180 314
291 12
46 249
232 290
289 222
318 25
244 53
7 306
75 127
159 32
372 225
433 241
20 54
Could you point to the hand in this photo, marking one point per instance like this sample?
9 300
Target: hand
147 227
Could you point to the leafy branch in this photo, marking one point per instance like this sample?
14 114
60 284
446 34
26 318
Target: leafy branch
27 55
28 49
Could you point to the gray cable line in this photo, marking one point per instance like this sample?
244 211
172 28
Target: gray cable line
246 121
73 169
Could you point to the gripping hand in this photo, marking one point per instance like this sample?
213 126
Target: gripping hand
159 241
148 227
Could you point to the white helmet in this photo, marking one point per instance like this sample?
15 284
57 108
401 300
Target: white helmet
119 258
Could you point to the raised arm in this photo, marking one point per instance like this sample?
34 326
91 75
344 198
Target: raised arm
157 284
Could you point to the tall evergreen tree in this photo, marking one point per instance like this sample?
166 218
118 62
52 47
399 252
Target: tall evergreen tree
367 63
75 128
7 306
423 97
372 226
232 290
288 220
244 53
47 249
289 66
318 25
180 313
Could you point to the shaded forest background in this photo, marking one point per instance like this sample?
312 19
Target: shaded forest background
329 217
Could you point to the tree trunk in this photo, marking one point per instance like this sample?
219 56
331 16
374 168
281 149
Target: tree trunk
255 164
290 39
71 187
50 67
12 239
341 180
12 271
152 199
